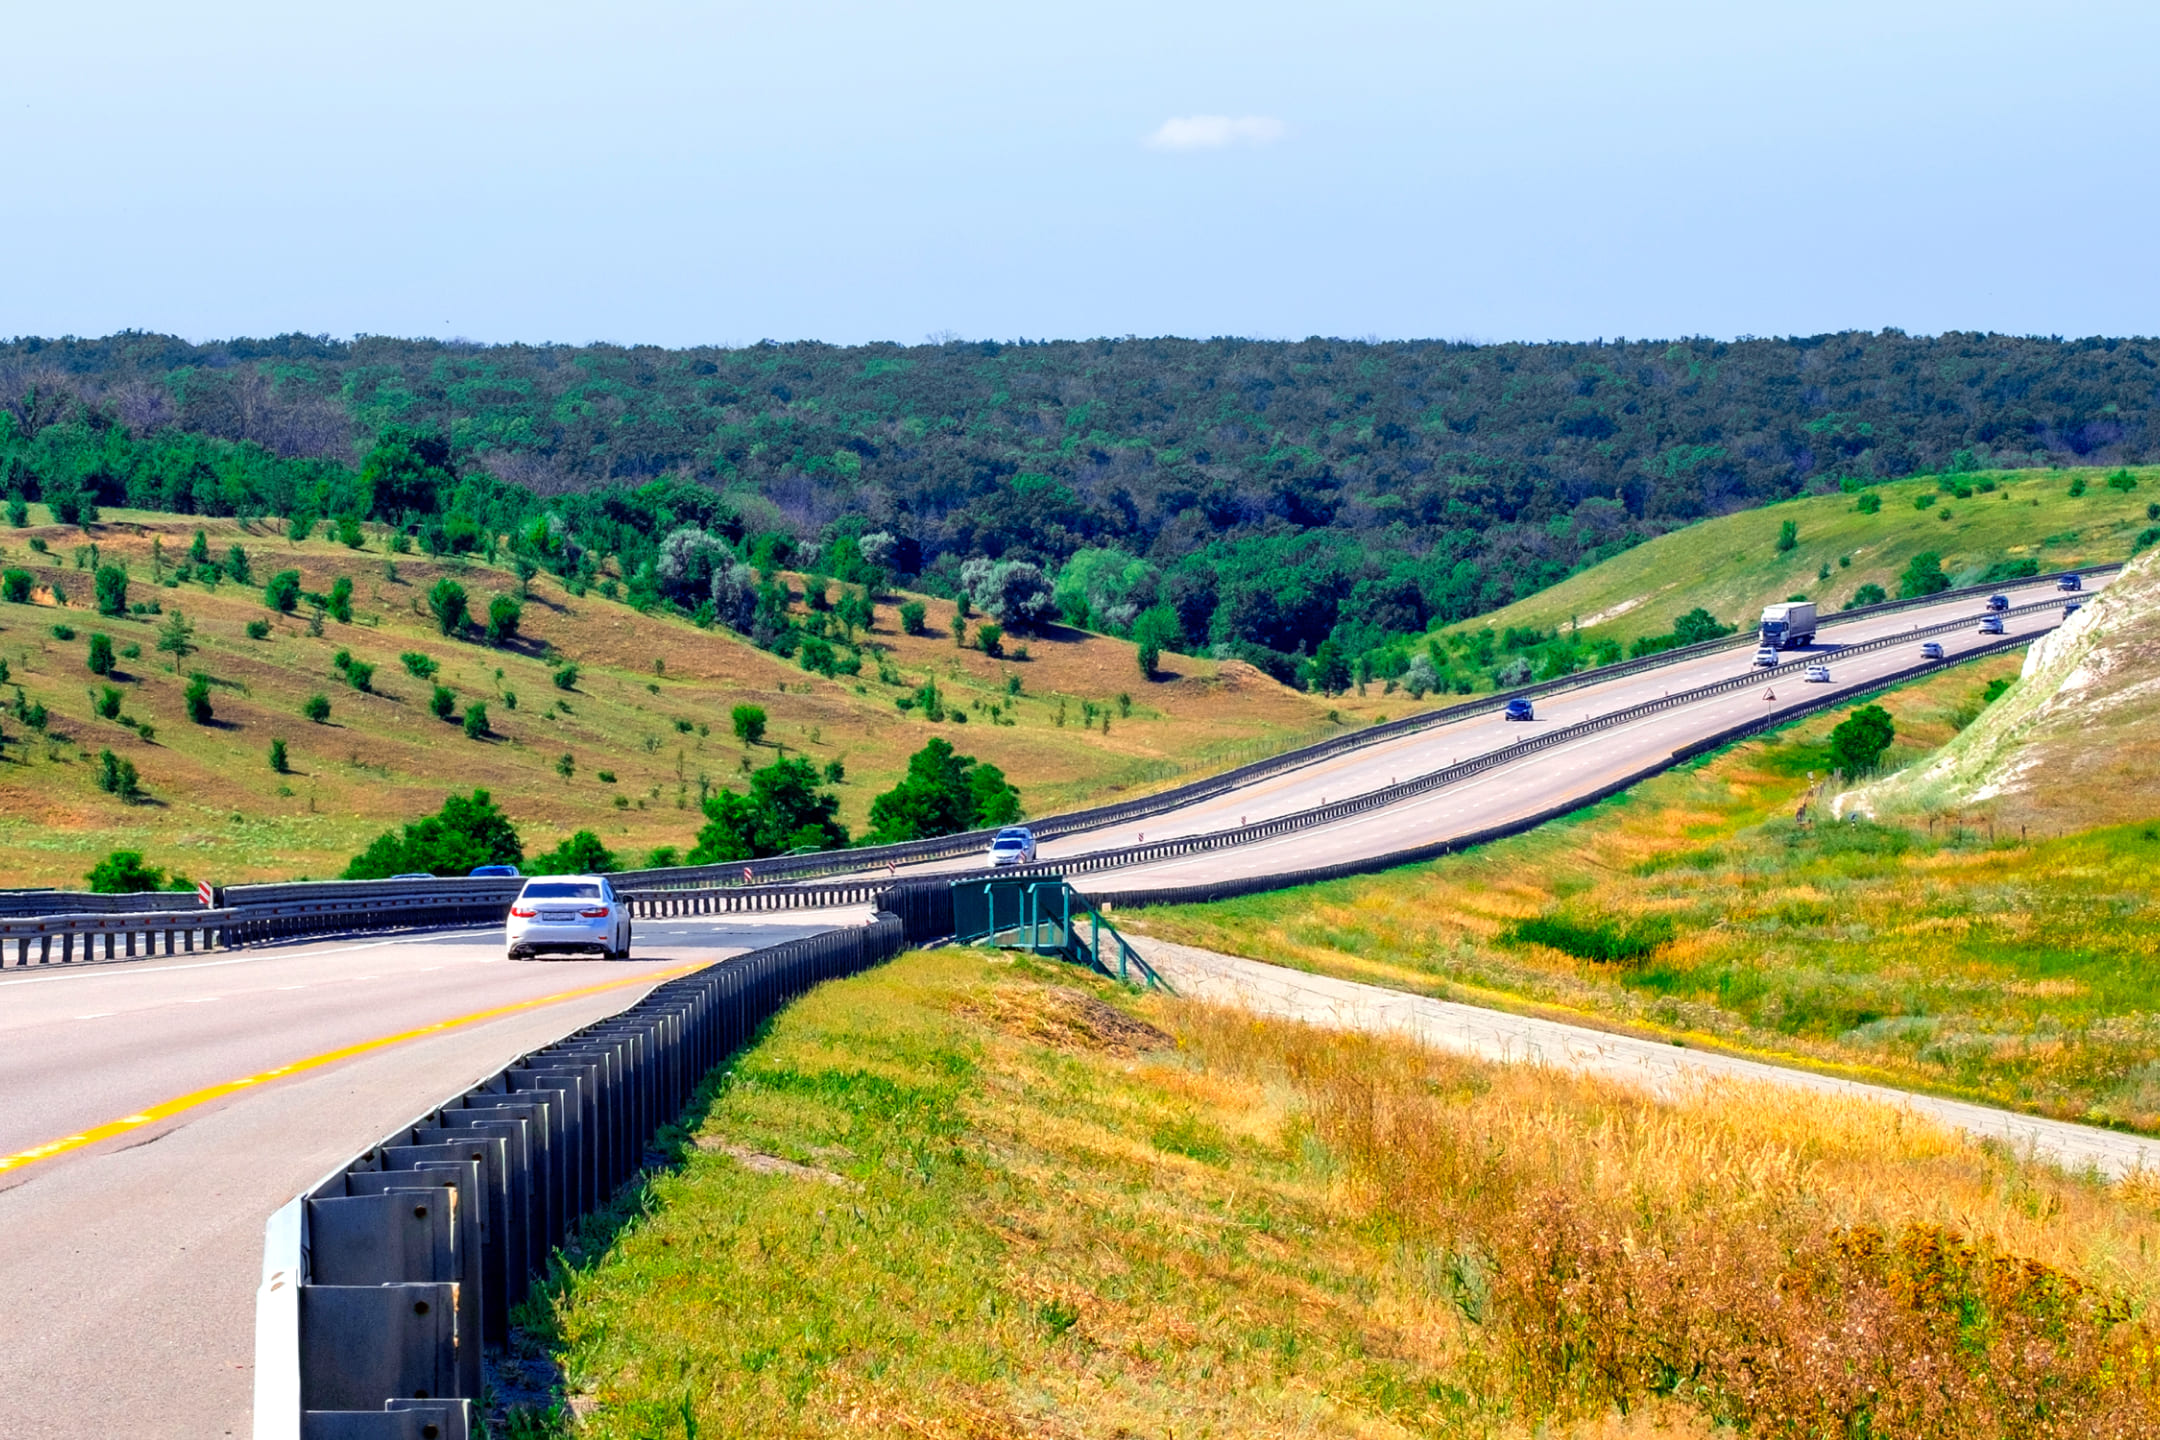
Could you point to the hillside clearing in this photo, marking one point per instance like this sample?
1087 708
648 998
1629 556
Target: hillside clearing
645 722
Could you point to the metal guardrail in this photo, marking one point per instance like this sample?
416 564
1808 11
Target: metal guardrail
384 1284
179 930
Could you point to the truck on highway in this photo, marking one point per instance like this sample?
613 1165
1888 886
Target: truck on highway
1789 625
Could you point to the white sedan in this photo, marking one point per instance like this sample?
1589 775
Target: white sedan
568 914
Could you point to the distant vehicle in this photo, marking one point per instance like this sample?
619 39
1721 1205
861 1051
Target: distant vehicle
574 914
2071 607
495 872
1998 603
1818 674
1767 658
1789 626
1521 710
1014 845
1931 650
1991 625
415 875
2068 582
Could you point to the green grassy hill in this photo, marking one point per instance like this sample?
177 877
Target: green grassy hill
624 748
1732 566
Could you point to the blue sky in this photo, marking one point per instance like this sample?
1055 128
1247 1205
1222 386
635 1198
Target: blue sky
718 173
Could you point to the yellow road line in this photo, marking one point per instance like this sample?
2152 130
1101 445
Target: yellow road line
165 1110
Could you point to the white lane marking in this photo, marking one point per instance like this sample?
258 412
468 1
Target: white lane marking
97 1015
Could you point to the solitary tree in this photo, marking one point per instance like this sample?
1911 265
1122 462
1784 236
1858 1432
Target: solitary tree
749 723
112 590
446 599
197 699
1858 742
504 612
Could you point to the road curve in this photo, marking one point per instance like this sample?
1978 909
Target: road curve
130 1265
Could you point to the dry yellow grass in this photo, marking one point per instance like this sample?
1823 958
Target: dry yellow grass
1059 1221
218 811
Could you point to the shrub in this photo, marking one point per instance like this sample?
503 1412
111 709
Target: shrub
1868 594
1788 536
236 565
468 831
106 703
340 660
991 637
835 772
1604 939
784 811
504 612
749 721
197 699
15 586
912 615
566 765
63 632
418 665
124 873
605 777
360 675
282 594
1922 501
580 854
18 509
565 677
446 601
943 793
2077 487
176 636
476 720
349 533
112 588
116 776
316 708
1923 576
1858 742
1149 657
339 601
258 629
100 659
279 761
443 703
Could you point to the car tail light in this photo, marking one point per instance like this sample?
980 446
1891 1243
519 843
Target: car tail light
523 912
595 912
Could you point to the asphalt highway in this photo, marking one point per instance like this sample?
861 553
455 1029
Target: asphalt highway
1542 778
130 1264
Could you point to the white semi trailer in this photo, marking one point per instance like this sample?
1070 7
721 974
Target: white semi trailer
1788 626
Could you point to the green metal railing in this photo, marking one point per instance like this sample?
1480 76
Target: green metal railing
1045 916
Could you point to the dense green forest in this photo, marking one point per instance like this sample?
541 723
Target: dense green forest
1277 500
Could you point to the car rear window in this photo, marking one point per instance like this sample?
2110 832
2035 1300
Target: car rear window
562 890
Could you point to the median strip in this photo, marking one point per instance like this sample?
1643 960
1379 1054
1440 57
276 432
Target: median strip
165 1110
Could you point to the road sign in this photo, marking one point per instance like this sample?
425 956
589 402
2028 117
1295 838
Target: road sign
206 893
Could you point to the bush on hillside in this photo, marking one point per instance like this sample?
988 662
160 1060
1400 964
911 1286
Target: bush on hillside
943 793
469 830
578 854
785 810
1858 742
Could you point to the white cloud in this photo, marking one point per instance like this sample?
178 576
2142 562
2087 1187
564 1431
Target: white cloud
1215 132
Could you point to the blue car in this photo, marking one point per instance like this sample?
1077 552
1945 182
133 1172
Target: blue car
1521 710
493 872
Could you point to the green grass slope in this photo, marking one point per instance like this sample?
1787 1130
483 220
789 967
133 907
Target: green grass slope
1732 567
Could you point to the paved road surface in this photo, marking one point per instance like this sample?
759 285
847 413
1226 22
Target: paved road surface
1659 1067
1510 792
129 1267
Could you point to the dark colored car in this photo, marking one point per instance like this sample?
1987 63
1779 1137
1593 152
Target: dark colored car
493 872
2069 582
1998 602
1521 710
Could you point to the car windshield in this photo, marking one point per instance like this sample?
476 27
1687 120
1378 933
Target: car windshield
561 890
1009 842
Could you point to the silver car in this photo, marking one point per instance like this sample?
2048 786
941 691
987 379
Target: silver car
568 914
1014 845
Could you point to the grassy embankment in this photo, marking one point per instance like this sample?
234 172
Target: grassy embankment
966 1196
650 706
1731 565
2013 968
